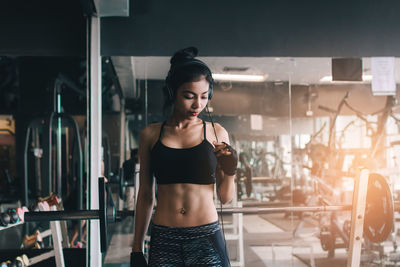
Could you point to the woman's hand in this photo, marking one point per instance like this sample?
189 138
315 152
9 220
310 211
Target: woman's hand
138 260
227 157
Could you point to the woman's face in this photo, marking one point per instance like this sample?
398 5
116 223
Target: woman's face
192 98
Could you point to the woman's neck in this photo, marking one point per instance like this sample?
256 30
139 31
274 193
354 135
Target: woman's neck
182 123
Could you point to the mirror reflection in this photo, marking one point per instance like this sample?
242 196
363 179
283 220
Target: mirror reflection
313 137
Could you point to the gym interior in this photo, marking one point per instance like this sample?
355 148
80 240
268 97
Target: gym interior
307 91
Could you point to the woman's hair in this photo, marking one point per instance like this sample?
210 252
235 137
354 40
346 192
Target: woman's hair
184 68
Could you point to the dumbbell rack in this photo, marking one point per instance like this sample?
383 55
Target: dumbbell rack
10 225
4 207
56 233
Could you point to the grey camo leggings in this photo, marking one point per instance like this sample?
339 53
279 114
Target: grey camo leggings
202 245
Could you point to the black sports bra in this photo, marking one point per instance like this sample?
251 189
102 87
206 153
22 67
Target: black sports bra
194 165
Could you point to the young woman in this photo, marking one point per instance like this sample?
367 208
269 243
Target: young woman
187 157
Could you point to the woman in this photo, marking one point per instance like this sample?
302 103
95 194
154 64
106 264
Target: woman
187 156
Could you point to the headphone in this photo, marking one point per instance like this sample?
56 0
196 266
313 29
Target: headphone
170 91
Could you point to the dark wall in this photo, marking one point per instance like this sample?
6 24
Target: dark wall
42 28
312 28
36 85
219 28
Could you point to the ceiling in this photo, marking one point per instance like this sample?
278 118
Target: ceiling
299 71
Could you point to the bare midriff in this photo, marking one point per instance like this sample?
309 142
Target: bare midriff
185 205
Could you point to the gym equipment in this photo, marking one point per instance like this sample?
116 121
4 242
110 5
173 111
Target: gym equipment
123 184
52 129
49 183
255 210
374 229
4 219
379 215
33 241
101 214
20 261
379 212
14 218
378 190
23 260
327 239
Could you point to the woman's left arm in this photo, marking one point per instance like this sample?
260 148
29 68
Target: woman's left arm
226 169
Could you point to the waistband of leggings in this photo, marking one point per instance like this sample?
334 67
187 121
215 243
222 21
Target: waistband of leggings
191 232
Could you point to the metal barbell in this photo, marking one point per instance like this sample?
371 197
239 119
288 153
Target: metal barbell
254 210
378 220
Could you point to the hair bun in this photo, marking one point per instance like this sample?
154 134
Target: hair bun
184 55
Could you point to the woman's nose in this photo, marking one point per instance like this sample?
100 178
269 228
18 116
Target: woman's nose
196 103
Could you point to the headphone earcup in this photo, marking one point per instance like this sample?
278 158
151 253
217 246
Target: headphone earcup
210 92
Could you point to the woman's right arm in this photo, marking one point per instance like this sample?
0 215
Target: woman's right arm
145 199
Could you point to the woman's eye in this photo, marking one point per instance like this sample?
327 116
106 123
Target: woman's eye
188 97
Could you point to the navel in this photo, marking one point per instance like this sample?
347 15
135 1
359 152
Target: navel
182 211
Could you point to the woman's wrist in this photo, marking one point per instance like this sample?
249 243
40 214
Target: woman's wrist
137 248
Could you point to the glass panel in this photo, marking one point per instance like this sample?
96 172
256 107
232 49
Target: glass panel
300 138
338 127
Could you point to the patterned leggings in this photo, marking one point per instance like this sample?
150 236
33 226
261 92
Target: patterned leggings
189 246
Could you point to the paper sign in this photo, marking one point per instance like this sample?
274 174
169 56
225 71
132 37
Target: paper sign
256 122
383 81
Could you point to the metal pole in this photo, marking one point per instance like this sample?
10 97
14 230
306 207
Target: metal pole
122 150
26 171
57 241
357 219
93 253
50 154
46 216
59 144
80 166
94 214
286 209
26 150
146 104
38 172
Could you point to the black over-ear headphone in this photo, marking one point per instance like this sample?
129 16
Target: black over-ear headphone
170 90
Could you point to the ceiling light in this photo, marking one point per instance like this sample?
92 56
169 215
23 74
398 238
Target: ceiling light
325 79
239 77
233 69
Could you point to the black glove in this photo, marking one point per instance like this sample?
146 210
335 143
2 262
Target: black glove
138 260
228 163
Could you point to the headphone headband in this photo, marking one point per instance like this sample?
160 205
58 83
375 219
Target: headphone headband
190 62
185 63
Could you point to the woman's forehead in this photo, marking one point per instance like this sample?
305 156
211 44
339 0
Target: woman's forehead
197 87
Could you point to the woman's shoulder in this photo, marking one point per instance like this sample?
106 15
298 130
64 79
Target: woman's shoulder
153 126
218 127
219 130
151 131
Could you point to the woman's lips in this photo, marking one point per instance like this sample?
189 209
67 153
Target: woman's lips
194 113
